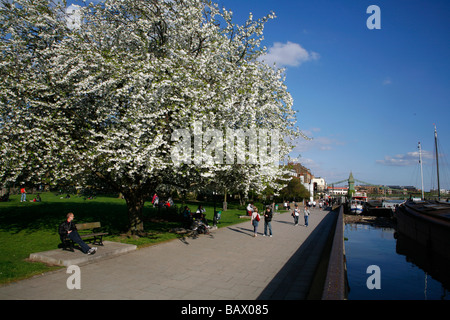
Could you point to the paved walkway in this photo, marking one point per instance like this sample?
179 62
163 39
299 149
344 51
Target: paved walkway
227 265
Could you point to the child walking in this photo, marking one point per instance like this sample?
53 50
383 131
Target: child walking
255 221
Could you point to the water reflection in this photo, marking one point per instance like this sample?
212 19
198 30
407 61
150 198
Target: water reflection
408 272
430 262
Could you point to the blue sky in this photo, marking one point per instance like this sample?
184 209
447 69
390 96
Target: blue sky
366 97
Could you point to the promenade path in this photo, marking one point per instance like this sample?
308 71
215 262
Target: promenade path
229 264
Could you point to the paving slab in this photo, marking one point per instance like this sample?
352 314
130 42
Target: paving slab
228 264
66 258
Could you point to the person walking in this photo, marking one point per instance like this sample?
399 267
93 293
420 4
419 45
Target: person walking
250 208
155 200
23 196
306 213
255 221
296 214
268 221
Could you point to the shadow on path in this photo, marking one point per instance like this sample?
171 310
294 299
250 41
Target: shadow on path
246 231
294 280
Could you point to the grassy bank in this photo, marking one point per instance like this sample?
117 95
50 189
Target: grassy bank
27 227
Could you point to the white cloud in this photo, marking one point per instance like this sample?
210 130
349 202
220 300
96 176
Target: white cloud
321 143
387 81
319 169
288 54
404 160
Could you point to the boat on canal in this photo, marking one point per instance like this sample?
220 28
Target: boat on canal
357 204
427 221
381 208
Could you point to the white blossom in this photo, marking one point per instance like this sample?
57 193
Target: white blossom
102 96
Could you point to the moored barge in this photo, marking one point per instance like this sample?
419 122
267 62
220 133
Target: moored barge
428 223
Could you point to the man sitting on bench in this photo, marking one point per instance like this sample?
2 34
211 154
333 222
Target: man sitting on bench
68 228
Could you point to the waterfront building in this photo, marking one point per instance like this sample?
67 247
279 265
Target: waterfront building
337 191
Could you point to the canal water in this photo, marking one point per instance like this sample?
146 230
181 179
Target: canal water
382 265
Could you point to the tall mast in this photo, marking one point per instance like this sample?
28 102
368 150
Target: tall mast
437 162
421 169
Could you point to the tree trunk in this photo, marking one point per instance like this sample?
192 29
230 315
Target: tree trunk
241 200
224 207
135 203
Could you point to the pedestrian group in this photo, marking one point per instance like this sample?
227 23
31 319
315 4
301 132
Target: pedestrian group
268 215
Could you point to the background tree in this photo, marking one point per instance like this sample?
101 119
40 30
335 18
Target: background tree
295 190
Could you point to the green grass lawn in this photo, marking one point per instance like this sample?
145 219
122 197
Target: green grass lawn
28 227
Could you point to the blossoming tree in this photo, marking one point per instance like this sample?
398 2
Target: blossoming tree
101 93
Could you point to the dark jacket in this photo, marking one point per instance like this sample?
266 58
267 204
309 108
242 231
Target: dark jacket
268 216
65 227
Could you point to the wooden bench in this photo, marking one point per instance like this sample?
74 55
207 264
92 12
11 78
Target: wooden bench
89 232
